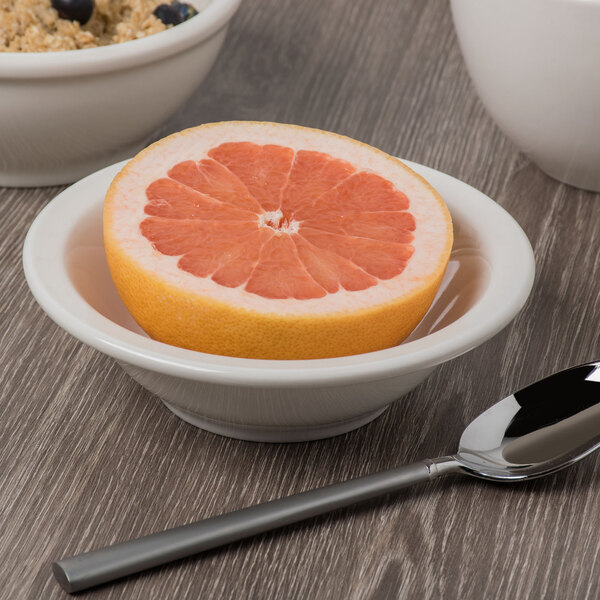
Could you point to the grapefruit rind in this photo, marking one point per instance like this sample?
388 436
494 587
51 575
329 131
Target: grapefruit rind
197 313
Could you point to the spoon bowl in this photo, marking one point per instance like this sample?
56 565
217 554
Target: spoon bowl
536 431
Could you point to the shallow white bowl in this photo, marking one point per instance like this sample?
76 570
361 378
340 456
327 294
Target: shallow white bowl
487 282
66 114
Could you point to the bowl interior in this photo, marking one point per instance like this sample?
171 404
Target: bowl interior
465 282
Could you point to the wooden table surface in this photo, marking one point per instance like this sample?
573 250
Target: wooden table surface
89 458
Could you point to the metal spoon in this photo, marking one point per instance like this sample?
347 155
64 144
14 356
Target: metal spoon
538 430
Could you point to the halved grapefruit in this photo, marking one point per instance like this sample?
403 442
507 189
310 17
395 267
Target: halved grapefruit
264 240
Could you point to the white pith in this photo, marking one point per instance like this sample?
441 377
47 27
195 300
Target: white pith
431 219
273 220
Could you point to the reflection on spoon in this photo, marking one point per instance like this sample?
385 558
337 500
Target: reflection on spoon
564 434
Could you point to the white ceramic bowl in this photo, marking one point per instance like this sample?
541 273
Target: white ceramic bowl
66 114
487 281
535 66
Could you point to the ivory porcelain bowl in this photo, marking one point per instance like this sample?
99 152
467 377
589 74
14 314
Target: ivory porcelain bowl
534 65
488 280
66 114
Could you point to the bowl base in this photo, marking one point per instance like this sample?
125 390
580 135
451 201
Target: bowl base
275 434
584 179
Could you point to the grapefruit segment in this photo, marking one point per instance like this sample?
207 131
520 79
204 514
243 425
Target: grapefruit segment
279 255
330 270
173 200
383 260
263 170
384 226
312 174
239 263
274 241
185 235
363 192
215 180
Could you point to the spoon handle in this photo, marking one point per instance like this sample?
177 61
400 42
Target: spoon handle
106 564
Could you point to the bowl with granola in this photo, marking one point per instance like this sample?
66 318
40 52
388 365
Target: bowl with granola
85 82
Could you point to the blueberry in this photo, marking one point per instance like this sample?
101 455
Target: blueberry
174 13
168 15
187 11
74 10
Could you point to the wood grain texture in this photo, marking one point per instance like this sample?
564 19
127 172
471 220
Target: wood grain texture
88 458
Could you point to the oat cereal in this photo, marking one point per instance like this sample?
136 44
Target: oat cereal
34 26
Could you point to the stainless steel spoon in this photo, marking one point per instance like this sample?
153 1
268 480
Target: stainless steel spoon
536 431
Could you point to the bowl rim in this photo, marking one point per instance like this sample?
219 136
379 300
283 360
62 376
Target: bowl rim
505 246
125 55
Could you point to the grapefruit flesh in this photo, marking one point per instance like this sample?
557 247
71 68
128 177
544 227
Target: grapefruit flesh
264 240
